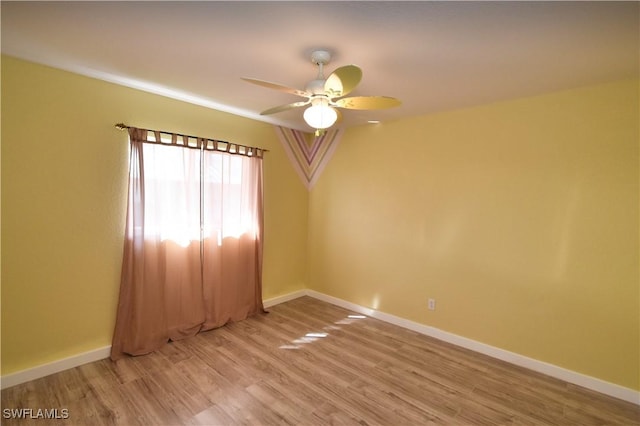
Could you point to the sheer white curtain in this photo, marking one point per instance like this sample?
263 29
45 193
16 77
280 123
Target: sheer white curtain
193 241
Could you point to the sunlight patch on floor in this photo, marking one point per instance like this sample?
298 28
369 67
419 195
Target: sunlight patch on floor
315 336
350 319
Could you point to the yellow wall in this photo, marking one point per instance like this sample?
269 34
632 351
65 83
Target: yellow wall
520 218
64 168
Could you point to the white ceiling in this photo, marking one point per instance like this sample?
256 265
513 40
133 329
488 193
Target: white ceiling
433 56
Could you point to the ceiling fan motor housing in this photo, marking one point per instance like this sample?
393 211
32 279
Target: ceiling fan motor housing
315 87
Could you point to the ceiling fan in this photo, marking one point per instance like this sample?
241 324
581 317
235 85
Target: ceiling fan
326 94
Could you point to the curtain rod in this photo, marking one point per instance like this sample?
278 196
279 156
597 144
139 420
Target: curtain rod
122 126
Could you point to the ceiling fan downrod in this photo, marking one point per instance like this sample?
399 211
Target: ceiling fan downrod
320 58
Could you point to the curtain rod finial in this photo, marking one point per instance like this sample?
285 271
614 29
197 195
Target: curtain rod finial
121 126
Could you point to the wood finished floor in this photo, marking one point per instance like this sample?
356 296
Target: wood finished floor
268 370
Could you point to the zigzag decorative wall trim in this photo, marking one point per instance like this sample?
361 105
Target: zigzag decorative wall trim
308 153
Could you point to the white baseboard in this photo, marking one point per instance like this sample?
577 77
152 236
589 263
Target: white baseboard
284 298
569 376
53 367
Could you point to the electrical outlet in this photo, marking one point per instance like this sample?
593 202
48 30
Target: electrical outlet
432 304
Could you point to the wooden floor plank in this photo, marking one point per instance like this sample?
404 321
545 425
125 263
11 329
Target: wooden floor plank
269 370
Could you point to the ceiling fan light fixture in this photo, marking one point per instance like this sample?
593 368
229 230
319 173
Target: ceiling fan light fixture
323 93
320 115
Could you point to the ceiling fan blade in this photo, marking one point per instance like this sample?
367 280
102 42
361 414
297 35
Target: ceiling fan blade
277 86
367 102
342 81
284 107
